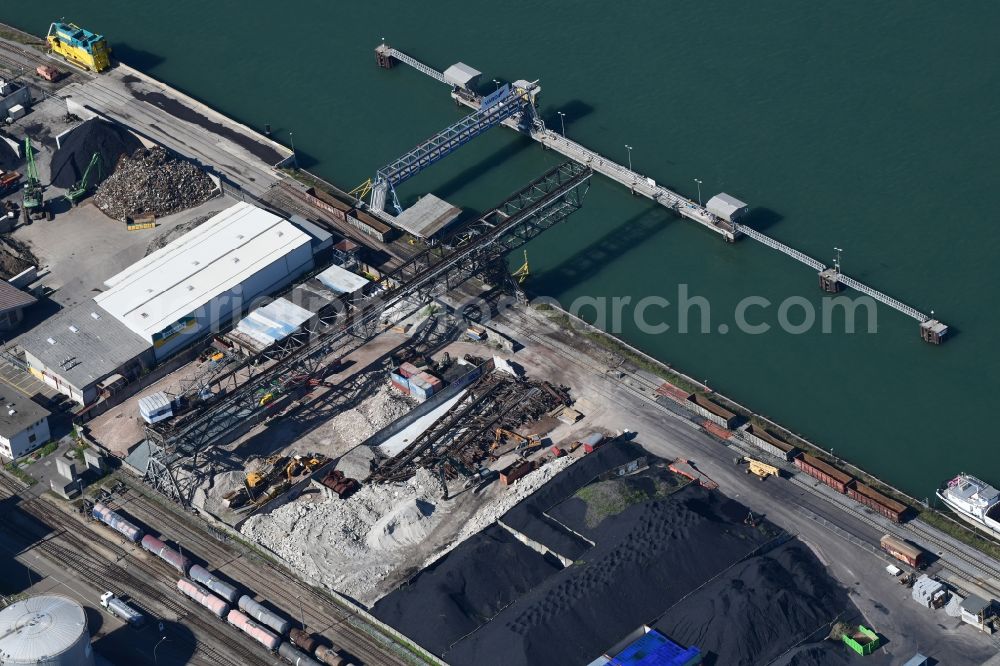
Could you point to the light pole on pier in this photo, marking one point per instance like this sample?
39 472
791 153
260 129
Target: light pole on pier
155 647
699 190
629 156
836 260
295 158
562 119
497 82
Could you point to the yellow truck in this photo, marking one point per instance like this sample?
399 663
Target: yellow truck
79 47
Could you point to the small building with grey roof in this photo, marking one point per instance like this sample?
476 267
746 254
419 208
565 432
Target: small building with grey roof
24 424
13 301
727 207
76 348
427 217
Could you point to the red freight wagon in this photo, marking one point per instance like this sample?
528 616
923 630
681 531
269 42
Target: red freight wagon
818 469
902 550
876 501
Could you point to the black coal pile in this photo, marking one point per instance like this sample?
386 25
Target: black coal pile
94 136
8 157
152 181
756 610
458 593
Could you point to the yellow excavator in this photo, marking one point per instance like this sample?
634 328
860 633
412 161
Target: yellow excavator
505 438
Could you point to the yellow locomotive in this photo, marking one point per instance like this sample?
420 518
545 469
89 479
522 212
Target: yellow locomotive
79 47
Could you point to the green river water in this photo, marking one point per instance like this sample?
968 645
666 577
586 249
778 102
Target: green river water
870 127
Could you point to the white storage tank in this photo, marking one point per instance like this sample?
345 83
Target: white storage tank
46 630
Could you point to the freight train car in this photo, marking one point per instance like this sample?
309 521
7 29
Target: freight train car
303 639
261 614
116 522
166 553
295 656
818 469
369 225
329 656
332 205
253 630
79 47
201 575
902 550
876 501
203 597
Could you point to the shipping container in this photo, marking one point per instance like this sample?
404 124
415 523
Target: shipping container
515 472
818 469
408 370
303 639
329 656
166 553
116 522
295 656
225 590
876 501
591 442
258 612
253 630
902 550
200 595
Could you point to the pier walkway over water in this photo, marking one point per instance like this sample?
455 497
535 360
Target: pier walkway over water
831 279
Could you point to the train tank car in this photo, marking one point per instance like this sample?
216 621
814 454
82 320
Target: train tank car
295 656
166 553
202 575
116 522
253 630
263 615
200 595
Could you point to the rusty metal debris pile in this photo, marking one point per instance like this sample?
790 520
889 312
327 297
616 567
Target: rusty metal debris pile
464 439
153 182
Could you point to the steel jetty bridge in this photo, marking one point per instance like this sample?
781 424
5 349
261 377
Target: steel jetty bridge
462 80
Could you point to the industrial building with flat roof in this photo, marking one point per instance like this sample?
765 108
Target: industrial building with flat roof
76 348
199 282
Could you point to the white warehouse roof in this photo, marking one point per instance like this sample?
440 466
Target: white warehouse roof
462 75
341 281
274 322
209 260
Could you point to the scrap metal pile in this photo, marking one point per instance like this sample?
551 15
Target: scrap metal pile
463 439
152 182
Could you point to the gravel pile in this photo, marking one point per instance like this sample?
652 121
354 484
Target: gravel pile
94 136
152 181
351 545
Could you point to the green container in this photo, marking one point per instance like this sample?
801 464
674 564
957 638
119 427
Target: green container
864 641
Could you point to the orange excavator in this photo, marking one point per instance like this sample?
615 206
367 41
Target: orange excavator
506 441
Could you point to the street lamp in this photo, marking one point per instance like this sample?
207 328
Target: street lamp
562 119
295 158
836 260
156 647
629 156
497 82
699 190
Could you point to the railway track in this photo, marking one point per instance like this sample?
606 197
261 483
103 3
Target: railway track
293 597
989 576
69 550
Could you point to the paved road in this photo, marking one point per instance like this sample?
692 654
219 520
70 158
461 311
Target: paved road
844 540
